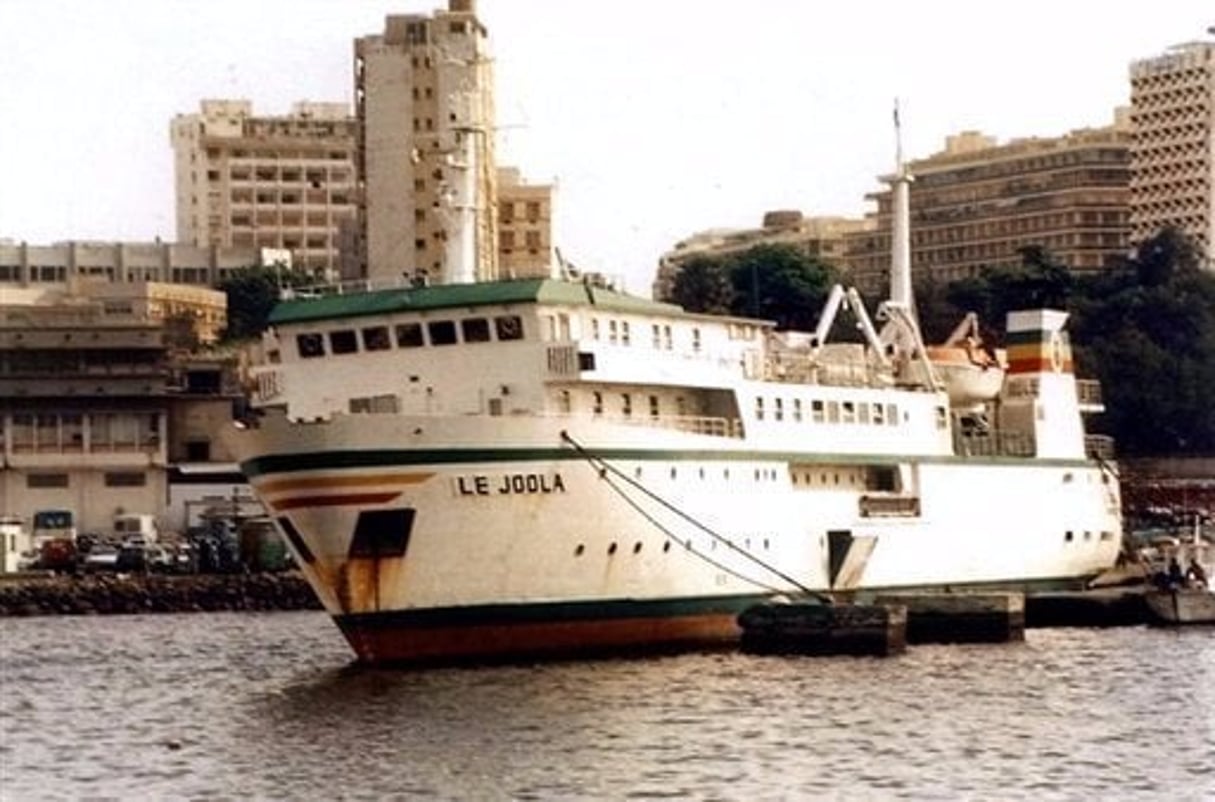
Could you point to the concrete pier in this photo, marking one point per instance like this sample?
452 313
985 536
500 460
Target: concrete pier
961 617
1105 607
821 629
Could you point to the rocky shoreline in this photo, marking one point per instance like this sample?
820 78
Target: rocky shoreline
127 594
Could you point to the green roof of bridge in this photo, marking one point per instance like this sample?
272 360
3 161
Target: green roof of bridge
451 296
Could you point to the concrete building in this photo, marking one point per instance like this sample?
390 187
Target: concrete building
978 202
525 226
424 103
283 182
1173 145
820 237
94 409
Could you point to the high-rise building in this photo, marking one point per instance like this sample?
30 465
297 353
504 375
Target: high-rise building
425 148
822 238
525 226
282 182
1173 145
978 203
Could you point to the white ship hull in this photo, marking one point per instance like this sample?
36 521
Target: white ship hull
532 535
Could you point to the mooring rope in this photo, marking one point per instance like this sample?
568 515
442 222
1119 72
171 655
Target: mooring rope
603 467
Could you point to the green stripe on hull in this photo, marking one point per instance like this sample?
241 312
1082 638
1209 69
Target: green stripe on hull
379 458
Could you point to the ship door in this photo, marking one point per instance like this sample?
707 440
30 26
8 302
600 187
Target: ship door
847 556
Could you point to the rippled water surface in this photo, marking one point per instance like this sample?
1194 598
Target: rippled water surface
224 706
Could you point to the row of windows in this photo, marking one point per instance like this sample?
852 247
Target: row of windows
618 332
821 411
54 481
66 431
411 335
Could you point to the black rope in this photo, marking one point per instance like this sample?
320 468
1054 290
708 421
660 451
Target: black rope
603 466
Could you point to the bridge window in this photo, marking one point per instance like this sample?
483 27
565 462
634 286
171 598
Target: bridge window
442 332
310 345
862 412
510 327
409 335
376 339
343 342
475 330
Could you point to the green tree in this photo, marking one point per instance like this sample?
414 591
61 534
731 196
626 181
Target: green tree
252 293
703 285
780 283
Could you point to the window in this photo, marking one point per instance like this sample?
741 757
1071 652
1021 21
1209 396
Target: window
198 450
612 332
442 332
816 411
409 335
779 411
475 330
310 345
797 409
892 415
594 328
695 339
654 406
376 339
125 479
37 481
942 418
833 412
343 342
597 403
564 404
626 404
849 412
862 412
509 327
656 331
759 408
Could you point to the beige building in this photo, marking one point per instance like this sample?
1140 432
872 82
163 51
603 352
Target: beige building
978 202
94 408
282 182
525 226
26 265
425 149
1173 145
823 238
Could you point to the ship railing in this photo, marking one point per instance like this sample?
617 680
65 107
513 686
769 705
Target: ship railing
993 443
1099 447
795 368
693 424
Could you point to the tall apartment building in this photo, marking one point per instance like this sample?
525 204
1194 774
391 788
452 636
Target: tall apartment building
425 148
1173 145
266 181
823 238
525 227
977 203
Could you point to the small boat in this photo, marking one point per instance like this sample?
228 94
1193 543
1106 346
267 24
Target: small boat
1180 606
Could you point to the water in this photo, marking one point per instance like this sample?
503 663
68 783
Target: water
239 706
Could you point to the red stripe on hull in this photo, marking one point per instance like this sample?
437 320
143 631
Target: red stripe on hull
346 500
499 642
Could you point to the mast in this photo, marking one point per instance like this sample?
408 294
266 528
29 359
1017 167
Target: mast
900 232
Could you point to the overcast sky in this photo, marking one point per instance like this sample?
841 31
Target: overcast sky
656 119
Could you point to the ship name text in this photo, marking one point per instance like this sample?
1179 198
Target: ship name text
509 484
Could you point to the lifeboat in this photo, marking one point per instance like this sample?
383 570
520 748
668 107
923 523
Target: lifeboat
972 372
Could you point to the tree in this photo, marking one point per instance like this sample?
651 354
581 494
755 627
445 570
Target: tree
780 283
703 285
252 293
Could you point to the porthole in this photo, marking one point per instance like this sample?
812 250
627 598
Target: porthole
666 547
673 473
579 549
637 472
1068 536
612 548
765 544
637 547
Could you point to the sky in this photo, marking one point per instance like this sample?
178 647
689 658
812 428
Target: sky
655 119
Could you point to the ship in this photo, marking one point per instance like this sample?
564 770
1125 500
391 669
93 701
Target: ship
480 471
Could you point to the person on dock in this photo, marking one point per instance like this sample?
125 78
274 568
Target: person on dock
1175 577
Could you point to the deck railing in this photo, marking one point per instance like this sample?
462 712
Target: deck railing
994 443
